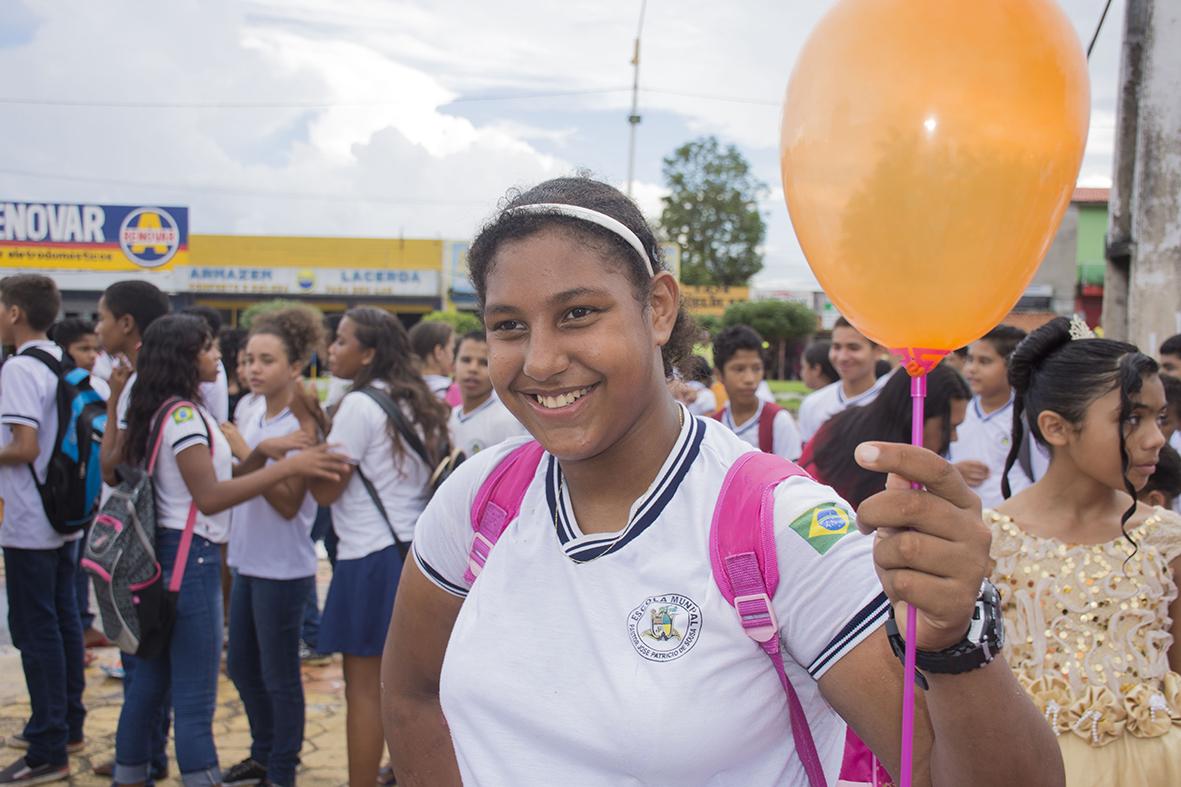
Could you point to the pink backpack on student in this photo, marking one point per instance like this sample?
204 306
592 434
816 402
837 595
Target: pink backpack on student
741 552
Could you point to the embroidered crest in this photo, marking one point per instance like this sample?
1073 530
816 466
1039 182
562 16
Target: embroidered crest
664 628
823 526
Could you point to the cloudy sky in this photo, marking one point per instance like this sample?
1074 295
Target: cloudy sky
404 117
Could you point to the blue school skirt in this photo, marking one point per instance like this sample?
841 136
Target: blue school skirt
360 601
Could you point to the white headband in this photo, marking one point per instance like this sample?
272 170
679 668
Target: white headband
594 217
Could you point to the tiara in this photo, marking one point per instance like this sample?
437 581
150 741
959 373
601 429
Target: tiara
1079 329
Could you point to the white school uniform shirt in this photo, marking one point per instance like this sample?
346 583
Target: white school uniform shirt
488 424
987 438
262 543
613 658
705 403
785 437
360 429
242 410
439 384
28 397
764 392
823 404
216 396
185 428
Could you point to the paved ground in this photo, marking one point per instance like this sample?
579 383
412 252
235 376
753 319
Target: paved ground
324 758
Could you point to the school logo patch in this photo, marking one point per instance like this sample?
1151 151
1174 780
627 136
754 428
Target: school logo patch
183 415
664 628
823 526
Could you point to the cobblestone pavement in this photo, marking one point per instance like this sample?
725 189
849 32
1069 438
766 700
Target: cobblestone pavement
324 758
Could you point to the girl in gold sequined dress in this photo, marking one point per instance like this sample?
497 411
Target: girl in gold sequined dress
1087 575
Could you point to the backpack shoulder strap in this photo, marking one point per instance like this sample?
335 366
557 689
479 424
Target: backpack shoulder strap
498 502
54 364
746 570
767 427
717 416
395 414
186 538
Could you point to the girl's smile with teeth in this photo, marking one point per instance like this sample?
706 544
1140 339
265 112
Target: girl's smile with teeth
561 400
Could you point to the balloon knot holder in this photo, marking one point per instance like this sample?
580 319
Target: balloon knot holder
918 363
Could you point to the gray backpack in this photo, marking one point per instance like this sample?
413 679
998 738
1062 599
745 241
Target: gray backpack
120 555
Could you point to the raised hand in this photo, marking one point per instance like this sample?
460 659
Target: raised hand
320 461
931 546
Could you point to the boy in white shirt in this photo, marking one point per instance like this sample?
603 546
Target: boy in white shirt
854 357
39 562
480 421
984 439
738 357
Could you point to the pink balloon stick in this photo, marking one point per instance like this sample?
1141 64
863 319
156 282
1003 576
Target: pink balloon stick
918 394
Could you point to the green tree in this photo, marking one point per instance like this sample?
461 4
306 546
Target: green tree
712 211
460 322
780 323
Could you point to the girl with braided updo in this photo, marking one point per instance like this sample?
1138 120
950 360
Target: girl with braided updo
1086 573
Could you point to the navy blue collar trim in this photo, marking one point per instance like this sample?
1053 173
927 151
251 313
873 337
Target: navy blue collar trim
582 549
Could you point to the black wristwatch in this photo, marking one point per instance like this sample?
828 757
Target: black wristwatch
984 640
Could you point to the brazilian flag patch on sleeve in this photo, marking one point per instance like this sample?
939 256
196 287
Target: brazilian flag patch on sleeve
182 414
823 526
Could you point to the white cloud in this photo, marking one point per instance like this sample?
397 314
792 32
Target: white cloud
393 156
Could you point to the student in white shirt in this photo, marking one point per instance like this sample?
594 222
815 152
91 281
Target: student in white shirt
854 357
817 370
125 310
40 564
215 395
192 474
79 344
271 547
738 357
372 349
433 344
533 673
984 438
692 389
480 421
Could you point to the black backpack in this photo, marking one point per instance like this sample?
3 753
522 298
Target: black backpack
73 479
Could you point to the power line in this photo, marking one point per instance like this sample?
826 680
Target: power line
239 192
97 104
104 104
1098 27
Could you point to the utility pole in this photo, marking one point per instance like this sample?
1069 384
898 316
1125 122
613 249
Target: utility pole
634 118
1142 285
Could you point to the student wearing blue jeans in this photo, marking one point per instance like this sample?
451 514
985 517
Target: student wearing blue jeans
39 562
189 669
43 621
272 549
192 478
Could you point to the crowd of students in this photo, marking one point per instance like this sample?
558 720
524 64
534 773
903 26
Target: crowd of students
1066 442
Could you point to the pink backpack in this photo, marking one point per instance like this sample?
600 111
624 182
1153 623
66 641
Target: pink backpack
741 552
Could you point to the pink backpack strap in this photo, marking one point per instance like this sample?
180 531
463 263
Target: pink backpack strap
186 538
746 571
499 501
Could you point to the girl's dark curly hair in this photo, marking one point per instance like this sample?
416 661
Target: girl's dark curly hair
299 328
587 193
392 362
166 367
1050 371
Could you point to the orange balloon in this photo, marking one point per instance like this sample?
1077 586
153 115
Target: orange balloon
929 149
